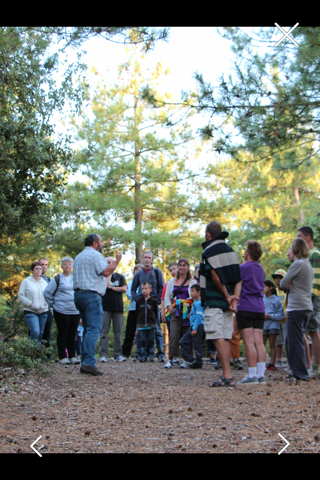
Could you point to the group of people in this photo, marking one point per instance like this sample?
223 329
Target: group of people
43 298
204 305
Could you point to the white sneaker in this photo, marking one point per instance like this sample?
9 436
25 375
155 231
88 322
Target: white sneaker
311 372
175 361
279 364
74 361
103 359
121 358
65 361
248 381
169 364
184 364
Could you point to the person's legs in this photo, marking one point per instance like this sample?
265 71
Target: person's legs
42 322
313 329
259 345
138 344
280 345
144 344
117 330
296 352
249 342
71 336
62 322
47 329
272 343
184 343
307 350
89 304
150 343
315 337
223 350
175 334
219 327
32 320
130 332
235 341
103 344
159 337
197 341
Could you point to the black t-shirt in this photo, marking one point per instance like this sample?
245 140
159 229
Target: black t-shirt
112 301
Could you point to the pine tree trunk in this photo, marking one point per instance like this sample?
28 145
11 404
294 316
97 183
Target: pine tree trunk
297 201
137 195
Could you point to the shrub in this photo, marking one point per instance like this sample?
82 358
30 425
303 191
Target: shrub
21 352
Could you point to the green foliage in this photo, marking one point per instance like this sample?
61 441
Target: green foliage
135 181
271 99
261 202
31 161
23 353
11 315
34 159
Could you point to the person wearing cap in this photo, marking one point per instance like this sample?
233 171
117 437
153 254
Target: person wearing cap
277 276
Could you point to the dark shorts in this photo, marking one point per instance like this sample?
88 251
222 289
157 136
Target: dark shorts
272 331
250 320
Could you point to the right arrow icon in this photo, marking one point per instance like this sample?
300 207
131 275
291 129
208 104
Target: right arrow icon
285 440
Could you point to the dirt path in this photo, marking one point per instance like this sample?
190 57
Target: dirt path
146 408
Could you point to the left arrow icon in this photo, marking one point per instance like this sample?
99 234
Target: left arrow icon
34 448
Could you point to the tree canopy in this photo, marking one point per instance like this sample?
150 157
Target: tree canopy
133 161
33 162
269 105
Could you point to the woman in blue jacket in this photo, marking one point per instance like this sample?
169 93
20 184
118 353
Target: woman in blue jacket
273 315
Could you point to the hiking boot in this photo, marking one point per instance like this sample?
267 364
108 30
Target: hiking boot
91 370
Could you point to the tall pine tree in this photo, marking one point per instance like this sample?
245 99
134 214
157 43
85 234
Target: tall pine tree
133 163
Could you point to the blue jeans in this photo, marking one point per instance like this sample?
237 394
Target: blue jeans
89 305
36 324
159 339
147 342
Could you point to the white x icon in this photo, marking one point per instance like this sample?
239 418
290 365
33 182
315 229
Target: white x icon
286 34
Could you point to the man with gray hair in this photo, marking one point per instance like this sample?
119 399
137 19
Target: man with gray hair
153 276
89 282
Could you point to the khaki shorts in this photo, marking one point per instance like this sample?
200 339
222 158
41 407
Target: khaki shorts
218 323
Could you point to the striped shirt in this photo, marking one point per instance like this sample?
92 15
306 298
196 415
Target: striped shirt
218 256
315 262
88 266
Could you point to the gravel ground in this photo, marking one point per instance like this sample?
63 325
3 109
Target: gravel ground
145 408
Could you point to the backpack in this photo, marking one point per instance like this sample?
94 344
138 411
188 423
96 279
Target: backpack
57 279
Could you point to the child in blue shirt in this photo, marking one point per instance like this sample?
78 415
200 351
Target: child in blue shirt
195 334
274 313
